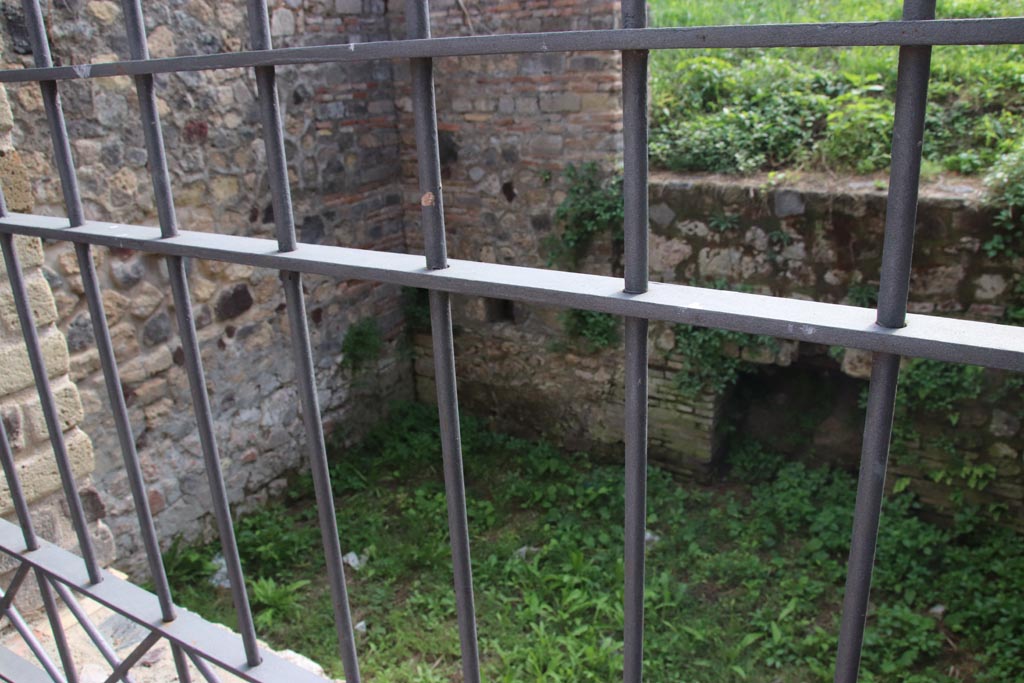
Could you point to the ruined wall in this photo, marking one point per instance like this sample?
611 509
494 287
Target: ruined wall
508 128
812 238
342 146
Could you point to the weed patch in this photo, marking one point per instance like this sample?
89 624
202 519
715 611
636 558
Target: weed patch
743 584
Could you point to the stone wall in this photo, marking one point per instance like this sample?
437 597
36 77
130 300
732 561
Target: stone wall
508 125
813 238
19 401
342 145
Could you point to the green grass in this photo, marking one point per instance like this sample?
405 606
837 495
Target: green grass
743 585
754 110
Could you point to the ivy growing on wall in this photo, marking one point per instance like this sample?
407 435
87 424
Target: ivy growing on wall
362 345
592 206
592 331
712 358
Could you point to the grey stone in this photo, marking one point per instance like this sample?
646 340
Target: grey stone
126 274
80 336
157 329
662 215
789 203
1004 423
348 6
233 302
282 22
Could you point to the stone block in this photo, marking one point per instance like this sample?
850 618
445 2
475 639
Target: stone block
40 298
69 411
348 6
37 471
144 300
17 373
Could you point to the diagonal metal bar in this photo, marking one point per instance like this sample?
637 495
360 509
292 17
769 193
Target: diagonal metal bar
132 659
192 633
189 340
48 405
95 636
11 473
1004 31
33 644
417 21
203 668
284 220
925 336
72 200
635 228
132 11
60 638
12 588
900 221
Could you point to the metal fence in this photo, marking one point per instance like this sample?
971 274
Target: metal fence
889 332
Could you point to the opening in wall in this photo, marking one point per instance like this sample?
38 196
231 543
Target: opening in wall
499 311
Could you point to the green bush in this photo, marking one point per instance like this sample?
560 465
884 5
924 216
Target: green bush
362 345
592 206
711 357
1006 195
591 330
859 133
739 111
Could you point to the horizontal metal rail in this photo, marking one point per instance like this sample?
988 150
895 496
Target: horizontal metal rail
925 336
191 632
1000 31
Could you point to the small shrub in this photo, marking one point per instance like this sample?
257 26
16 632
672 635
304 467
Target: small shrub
275 602
592 206
269 542
187 565
938 387
593 331
712 357
863 294
1006 195
859 133
416 309
362 345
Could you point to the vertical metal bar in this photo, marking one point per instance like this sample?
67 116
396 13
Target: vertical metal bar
302 354
417 18
635 229
94 635
900 221
904 172
187 332
57 628
33 643
49 407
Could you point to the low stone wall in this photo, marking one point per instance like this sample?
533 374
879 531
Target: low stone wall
814 238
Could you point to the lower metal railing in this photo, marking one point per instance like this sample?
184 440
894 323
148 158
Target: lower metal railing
889 331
